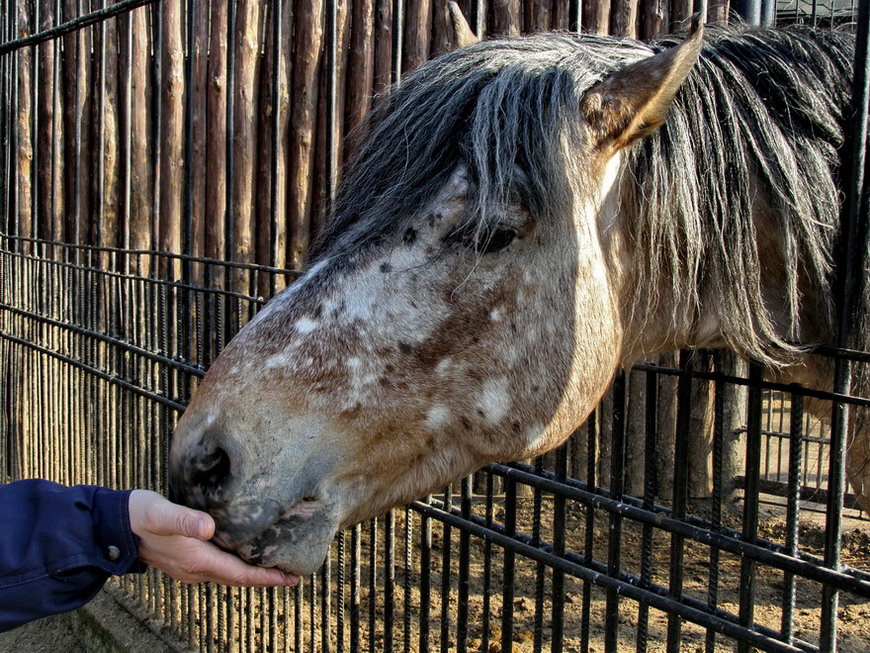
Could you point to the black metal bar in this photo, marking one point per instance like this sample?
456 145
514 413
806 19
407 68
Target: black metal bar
73 25
425 579
650 488
559 526
589 528
795 455
617 486
464 570
513 546
852 580
507 596
765 385
540 569
750 500
446 544
680 496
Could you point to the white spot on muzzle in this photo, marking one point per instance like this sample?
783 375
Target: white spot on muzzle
495 400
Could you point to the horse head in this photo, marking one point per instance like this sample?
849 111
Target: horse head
462 306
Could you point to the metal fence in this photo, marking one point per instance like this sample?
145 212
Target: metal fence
627 538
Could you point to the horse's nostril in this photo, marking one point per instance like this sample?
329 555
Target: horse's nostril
211 470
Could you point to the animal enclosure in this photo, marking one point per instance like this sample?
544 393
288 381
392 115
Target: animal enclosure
163 172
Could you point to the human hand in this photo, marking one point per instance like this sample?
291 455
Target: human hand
174 539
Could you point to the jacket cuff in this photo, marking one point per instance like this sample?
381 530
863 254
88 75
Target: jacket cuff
119 546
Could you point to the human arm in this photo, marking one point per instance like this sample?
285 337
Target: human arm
59 545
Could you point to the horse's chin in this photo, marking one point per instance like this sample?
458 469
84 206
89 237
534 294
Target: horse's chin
296 543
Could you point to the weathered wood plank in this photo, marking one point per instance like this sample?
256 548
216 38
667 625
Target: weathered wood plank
306 92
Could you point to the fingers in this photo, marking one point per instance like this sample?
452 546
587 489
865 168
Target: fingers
153 512
221 567
191 523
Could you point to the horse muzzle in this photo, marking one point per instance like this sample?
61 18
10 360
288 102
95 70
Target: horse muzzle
295 541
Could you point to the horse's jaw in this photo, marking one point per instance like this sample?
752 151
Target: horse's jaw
296 541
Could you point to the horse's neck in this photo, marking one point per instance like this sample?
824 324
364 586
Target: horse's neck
657 318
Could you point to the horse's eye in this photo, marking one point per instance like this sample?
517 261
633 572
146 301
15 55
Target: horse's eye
483 241
496 240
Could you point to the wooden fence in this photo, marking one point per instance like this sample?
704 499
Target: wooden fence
217 128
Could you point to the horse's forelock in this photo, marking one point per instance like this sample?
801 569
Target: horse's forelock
500 108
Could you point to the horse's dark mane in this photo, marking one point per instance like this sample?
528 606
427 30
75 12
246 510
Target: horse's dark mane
759 120
761 115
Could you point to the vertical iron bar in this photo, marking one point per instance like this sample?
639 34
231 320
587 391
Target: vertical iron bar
650 487
559 526
425 578
540 568
750 499
464 570
851 259
507 604
487 563
617 487
445 573
589 527
716 499
389 578
792 512
680 491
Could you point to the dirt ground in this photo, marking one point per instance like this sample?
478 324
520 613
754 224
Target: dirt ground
62 634
854 612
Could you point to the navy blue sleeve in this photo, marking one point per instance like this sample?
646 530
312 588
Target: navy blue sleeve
58 546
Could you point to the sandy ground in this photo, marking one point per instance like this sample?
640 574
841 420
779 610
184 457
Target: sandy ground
53 634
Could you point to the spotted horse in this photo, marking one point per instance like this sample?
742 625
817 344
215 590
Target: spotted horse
524 218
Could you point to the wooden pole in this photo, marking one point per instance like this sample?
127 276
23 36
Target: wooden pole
656 18
624 18
24 123
418 27
199 51
360 73
718 11
538 17
141 149
680 12
305 90
76 141
216 135
109 191
48 199
383 38
506 17
561 15
245 137
596 17
326 165
171 131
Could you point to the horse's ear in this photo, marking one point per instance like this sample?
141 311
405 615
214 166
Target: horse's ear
634 101
462 33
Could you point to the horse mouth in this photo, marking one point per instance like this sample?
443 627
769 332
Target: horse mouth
296 542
